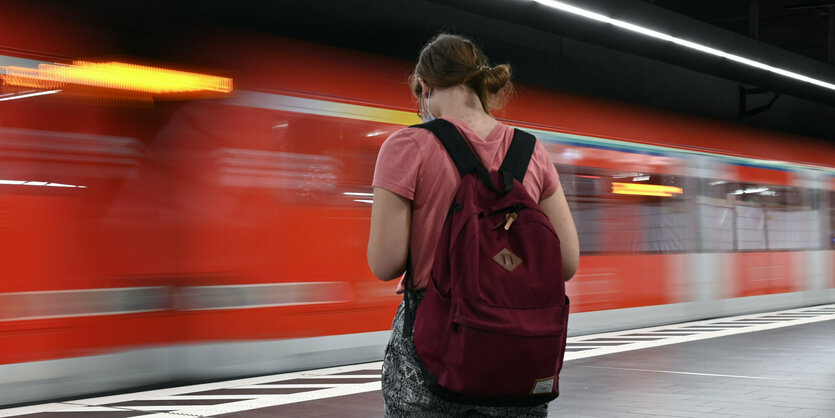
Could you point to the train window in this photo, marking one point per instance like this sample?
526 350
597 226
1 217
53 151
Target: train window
831 234
757 217
795 225
582 189
618 211
671 223
623 212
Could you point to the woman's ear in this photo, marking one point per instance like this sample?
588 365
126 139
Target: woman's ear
424 88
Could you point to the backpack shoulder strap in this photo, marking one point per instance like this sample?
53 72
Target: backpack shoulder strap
515 164
519 154
455 144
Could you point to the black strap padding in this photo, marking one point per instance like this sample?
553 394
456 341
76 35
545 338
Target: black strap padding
455 144
519 154
515 164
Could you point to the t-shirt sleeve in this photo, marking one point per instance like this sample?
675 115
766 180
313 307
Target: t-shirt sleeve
550 178
398 164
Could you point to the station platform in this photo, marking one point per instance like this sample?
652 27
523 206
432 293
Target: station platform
774 364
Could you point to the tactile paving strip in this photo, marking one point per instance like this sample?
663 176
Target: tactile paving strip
635 339
213 399
230 397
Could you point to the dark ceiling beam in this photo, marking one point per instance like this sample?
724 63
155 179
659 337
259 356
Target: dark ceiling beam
808 4
830 44
533 15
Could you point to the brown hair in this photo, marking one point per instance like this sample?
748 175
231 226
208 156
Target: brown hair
448 60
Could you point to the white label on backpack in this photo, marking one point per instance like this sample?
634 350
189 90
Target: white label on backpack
543 386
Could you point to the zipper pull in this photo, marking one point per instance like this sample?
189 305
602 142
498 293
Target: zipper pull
509 218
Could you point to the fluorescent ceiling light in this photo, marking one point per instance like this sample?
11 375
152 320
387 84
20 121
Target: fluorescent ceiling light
624 175
685 43
375 133
38 183
23 96
760 190
358 194
63 185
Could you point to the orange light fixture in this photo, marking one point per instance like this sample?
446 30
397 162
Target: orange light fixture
116 75
645 189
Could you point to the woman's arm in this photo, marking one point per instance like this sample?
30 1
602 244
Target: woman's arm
388 242
556 207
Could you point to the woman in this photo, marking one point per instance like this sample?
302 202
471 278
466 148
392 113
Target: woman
414 183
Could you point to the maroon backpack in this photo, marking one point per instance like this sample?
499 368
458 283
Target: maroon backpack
492 325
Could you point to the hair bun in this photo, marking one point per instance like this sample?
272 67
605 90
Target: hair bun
496 78
489 79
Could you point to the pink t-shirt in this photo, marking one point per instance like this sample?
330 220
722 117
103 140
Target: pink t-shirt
414 164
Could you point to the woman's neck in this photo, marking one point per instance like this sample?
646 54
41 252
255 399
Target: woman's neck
461 102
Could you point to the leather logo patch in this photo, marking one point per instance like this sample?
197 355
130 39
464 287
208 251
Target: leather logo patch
507 260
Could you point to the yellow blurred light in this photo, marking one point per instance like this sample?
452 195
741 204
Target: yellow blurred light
645 189
30 81
116 75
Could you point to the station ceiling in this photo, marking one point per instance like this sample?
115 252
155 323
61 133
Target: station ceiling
799 26
547 47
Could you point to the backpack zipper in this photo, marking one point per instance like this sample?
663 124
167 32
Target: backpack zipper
511 216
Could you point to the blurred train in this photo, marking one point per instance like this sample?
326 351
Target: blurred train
219 237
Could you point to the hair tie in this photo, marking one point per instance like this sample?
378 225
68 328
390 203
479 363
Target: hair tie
483 67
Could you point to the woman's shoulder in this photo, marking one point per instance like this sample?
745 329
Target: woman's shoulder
410 133
408 141
409 137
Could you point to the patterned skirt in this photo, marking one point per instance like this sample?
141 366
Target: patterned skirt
404 394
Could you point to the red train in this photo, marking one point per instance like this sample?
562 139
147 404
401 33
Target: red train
226 236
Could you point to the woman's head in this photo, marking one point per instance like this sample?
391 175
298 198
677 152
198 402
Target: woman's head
449 60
